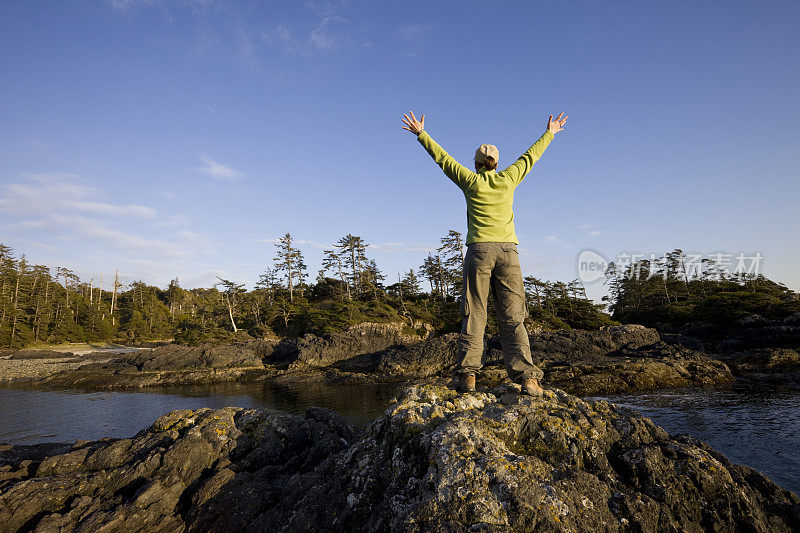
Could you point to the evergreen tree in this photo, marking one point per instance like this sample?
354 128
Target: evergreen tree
432 270
452 261
286 262
409 284
333 261
268 281
372 278
352 251
231 290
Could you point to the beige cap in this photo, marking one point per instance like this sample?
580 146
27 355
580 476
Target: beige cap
487 150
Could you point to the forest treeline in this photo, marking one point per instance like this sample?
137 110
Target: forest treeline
666 293
44 305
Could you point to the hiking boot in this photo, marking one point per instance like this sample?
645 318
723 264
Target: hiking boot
531 387
466 383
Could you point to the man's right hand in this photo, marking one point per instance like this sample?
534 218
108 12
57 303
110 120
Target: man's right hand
412 124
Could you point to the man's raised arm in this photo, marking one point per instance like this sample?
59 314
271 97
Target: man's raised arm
524 164
458 173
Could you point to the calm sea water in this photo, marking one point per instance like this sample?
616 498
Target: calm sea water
754 425
31 415
751 424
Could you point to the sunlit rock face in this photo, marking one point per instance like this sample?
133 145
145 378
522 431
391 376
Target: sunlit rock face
436 460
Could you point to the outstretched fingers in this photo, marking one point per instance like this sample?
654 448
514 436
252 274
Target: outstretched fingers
412 124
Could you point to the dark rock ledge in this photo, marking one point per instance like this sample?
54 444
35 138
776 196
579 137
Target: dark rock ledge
612 360
435 461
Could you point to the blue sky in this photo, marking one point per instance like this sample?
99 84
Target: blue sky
181 138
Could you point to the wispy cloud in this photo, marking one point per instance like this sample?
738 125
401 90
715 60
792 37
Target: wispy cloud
331 31
557 241
247 51
309 242
325 36
401 247
218 171
124 5
589 231
43 246
62 212
276 240
47 193
413 38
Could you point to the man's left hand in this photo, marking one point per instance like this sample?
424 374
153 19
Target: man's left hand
554 126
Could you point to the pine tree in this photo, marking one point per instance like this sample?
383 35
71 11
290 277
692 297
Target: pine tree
372 278
352 250
452 260
333 261
231 290
286 261
534 289
268 281
410 284
302 270
431 270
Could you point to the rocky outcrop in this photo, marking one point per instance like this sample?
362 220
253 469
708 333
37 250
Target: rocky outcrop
618 359
35 354
358 340
172 364
750 333
780 366
421 359
436 461
177 357
755 348
611 360
573 344
36 366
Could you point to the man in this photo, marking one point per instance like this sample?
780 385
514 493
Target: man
492 260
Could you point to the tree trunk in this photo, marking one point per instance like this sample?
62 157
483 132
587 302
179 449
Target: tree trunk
114 296
230 312
36 321
538 297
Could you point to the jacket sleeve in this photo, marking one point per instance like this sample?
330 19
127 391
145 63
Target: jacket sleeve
458 173
524 164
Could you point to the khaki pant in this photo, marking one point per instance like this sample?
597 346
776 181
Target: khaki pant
495 266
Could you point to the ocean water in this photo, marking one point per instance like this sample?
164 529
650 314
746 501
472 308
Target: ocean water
753 424
32 415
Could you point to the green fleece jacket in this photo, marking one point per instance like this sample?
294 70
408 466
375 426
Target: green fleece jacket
489 194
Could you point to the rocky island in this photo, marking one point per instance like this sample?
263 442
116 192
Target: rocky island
435 461
610 360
